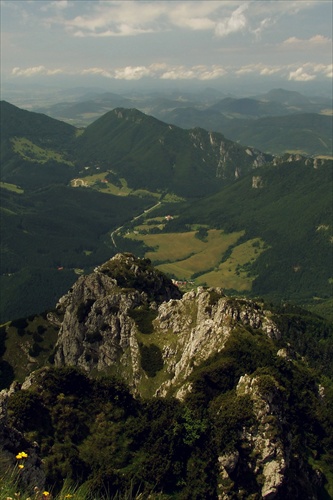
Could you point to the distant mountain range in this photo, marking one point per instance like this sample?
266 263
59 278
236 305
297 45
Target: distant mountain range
203 208
277 122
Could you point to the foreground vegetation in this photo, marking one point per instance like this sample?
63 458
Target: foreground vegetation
92 432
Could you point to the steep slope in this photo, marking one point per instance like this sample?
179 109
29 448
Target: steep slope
35 149
252 412
308 133
305 133
288 205
151 154
16 122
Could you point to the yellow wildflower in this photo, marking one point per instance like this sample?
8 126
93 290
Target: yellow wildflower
21 455
21 466
46 494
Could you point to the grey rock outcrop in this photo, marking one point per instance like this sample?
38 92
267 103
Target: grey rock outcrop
265 437
97 331
100 330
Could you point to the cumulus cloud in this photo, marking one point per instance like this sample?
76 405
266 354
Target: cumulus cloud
160 71
307 72
120 30
236 22
319 69
300 75
97 71
260 69
117 19
56 4
132 73
35 70
314 41
193 15
198 72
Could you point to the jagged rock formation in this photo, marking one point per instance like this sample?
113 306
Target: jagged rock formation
106 316
97 330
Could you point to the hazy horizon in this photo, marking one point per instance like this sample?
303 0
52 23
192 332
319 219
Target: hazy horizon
236 47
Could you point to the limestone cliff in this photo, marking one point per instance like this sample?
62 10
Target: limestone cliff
125 307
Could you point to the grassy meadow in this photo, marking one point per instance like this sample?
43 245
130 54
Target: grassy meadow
31 152
216 260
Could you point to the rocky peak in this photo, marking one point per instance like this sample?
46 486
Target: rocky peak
127 317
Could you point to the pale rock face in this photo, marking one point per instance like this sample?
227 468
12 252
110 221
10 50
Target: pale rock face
265 437
98 332
257 182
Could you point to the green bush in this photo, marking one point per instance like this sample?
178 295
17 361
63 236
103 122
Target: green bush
151 359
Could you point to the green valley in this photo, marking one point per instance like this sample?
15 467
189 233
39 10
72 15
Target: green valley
202 208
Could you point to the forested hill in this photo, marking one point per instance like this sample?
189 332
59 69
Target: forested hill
152 154
289 206
16 122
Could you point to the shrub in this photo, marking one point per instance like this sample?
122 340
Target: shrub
151 359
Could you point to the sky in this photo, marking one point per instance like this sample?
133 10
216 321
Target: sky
207 42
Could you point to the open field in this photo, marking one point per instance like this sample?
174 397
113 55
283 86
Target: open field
11 187
188 249
100 183
231 273
183 255
31 152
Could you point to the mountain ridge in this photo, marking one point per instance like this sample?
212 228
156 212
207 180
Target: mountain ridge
124 175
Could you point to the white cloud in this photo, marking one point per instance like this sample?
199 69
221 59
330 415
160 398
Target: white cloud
117 19
319 69
264 24
56 4
269 71
61 4
160 71
236 22
131 73
199 72
97 71
314 41
260 69
193 15
307 72
35 70
121 30
120 18
299 75
211 73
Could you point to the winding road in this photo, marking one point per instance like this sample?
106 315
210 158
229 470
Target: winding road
132 220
